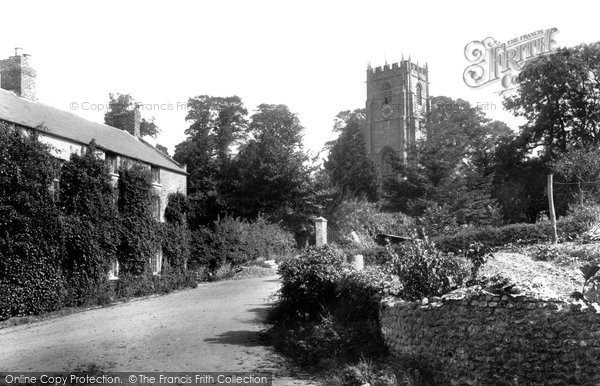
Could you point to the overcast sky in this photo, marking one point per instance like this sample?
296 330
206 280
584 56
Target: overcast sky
309 55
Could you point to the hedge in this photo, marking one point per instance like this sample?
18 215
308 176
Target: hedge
520 234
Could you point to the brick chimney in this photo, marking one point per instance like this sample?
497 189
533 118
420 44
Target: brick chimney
128 121
17 75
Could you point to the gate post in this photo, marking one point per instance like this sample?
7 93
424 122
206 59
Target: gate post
320 231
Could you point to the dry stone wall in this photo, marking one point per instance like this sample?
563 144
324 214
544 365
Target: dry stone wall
482 339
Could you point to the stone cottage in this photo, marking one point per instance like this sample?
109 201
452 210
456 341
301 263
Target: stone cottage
67 133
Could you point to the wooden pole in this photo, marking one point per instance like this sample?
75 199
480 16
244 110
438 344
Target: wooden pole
552 213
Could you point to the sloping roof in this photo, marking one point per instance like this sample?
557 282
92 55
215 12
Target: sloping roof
66 125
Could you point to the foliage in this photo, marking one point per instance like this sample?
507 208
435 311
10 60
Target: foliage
139 233
30 230
328 312
590 276
367 220
559 96
162 149
519 182
309 283
121 103
492 237
272 173
437 220
351 170
548 252
235 241
52 259
176 236
216 125
477 254
177 209
582 167
425 271
454 165
89 228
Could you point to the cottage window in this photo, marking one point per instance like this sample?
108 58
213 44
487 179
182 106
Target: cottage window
156 262
156 207
55 189
113 272
111 163
155 175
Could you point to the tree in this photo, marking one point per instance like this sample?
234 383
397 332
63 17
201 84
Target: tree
121 103
351 171
162 149
581 166
519 181
273 176
217 125
559 96
454 164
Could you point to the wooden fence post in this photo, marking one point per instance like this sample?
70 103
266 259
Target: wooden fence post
551 207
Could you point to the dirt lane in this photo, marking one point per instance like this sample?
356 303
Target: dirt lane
214 327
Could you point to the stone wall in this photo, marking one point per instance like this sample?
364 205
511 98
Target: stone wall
481 339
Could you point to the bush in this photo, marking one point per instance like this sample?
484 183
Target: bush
437 220
367 220
519 234
309 283
30 230
425 271
234 241
328 312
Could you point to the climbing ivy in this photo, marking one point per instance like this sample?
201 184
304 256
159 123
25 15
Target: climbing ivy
89 226
30 231
139 231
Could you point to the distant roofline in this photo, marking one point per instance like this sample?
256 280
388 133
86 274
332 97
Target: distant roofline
180 169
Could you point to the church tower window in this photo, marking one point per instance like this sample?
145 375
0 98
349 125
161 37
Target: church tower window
387 94
419 94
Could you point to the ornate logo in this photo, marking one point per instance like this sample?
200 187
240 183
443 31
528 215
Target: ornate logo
493 61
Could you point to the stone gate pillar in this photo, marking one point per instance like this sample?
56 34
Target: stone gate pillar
320 231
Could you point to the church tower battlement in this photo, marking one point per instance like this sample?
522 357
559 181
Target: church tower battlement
396 110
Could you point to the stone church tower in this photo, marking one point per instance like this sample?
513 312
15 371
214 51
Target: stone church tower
396 109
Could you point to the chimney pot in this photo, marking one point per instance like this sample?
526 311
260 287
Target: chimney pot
17 75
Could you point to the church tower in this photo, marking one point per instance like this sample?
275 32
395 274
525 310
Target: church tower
396 110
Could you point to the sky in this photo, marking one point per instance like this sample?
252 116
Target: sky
309 55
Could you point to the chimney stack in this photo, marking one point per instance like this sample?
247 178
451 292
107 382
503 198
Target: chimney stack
17 75
128 121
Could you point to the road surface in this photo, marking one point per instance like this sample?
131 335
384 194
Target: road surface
215 327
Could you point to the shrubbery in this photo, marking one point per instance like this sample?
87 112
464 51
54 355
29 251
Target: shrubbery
519 234
30 231
56 251
367 220
327 311
139 231
89 217
234 241
425 271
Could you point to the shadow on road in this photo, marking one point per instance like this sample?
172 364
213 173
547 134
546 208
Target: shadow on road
261 314
239 338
